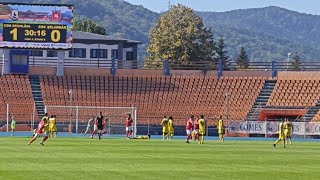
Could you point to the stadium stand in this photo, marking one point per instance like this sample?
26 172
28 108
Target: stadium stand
316 118
295 91
16 91
155 95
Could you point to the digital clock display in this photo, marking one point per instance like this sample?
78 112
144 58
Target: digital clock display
48 33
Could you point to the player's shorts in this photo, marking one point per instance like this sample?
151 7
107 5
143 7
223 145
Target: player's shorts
196 131
95 127
189 131
202 132
53 129
220 131
100 126
165 129
13 127
281 136
43 134
287 134
104 131
129 128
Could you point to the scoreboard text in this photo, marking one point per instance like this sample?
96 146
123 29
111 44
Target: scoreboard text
46 33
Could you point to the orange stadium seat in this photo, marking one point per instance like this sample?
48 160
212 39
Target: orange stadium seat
16 91
297 92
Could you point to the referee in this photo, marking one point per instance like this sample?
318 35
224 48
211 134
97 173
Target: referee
100 124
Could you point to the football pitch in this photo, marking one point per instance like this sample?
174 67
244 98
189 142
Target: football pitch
83 158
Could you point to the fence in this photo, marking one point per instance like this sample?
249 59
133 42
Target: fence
25 119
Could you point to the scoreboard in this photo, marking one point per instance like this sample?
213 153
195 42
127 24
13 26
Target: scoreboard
36 26
34 33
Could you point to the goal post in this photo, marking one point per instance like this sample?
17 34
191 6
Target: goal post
74 119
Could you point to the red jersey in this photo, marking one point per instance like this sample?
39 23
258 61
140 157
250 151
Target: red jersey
40 127
129 122
195 124
189 125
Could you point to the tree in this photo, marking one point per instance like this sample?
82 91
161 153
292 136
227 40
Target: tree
222 54
296 62
242 59
88 25
180 36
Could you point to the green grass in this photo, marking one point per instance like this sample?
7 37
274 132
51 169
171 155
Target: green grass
78 158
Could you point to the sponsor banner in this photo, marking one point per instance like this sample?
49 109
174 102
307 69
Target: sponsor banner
312 128
253 127
271 127
35 45
298 128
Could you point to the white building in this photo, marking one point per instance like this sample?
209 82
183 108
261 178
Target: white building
89 50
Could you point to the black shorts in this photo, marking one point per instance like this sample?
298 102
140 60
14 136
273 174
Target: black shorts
100 126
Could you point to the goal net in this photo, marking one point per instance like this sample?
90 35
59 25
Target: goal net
74 119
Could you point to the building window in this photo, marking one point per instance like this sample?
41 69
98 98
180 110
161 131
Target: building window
114 53
78 53
93 53
52 53
104 53
37 53
19 60
129 55
98 53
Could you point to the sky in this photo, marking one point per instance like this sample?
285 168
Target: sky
303 6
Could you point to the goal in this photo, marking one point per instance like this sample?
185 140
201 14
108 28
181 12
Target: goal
74 119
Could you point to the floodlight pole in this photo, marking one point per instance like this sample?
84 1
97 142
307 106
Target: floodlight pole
288 60
7 117
227 100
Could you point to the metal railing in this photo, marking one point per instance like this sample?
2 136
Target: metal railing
232 66
178 65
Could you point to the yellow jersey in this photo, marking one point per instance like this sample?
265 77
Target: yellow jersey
220 126
52 124
165 122
46 125
165 125
288 127
170 125
202 126
143 137
281 128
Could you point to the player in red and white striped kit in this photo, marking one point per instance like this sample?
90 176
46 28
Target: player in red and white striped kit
196 129
189 128
40 131
95 128
129 127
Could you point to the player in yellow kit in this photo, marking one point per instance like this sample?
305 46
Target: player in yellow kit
281 135
52 127
45 119
165 128
288 131
171 128
220 129
202 129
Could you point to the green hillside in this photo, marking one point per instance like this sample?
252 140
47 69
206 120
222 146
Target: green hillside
266 33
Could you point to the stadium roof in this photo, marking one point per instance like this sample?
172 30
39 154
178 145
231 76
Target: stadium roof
79 36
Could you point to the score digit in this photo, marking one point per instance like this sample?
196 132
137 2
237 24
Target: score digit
55 36
14 33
